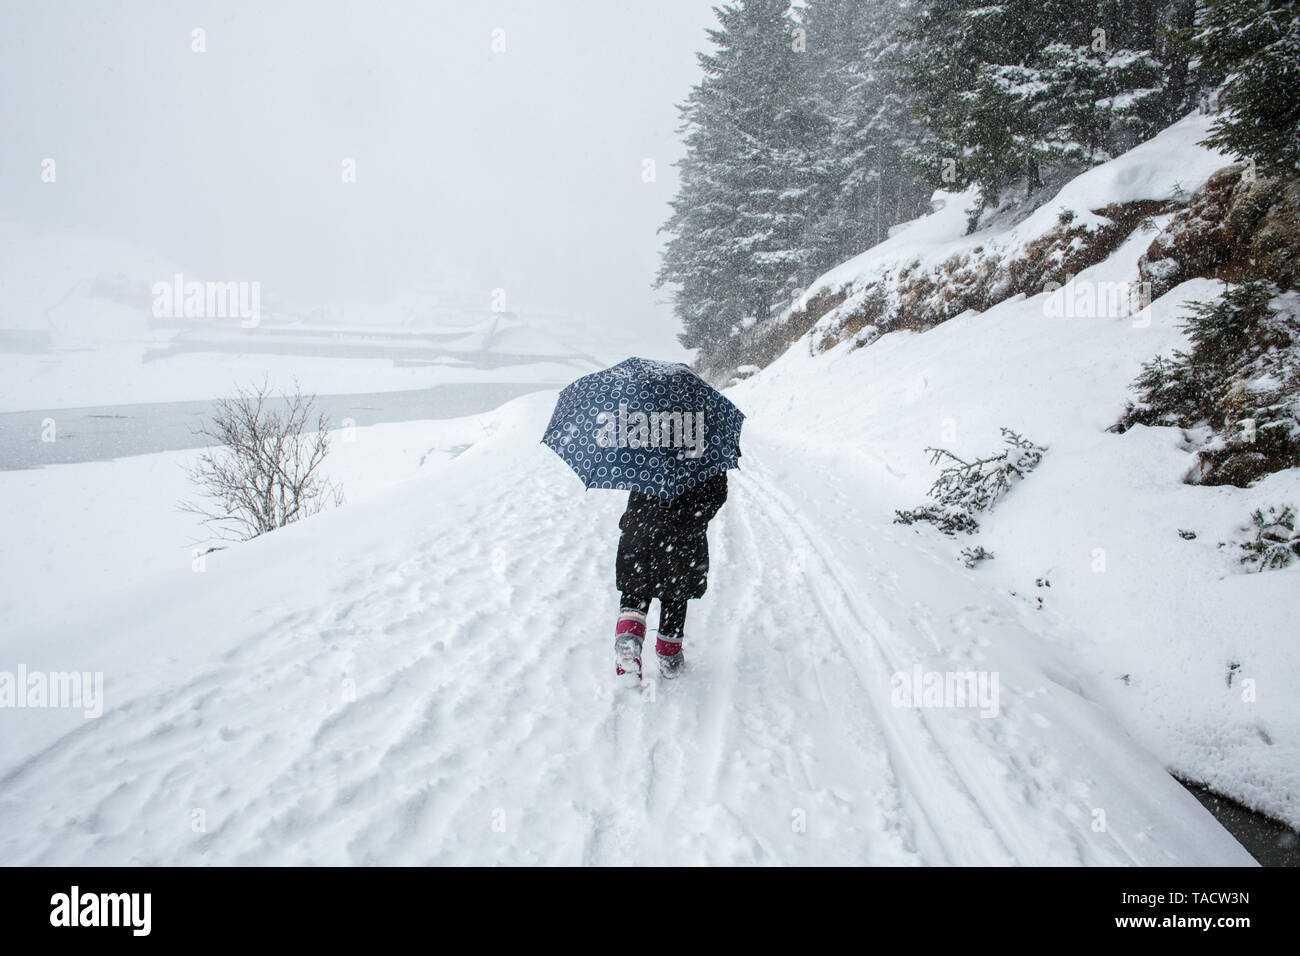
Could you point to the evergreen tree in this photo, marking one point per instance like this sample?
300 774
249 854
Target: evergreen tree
1008 88
964 95
1079 100
740 218
1254 45
854 59
1241 378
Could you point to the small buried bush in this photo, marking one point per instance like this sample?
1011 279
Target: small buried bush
1274 541
966 488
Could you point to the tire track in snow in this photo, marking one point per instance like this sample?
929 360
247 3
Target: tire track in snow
844 756
956 811
981 791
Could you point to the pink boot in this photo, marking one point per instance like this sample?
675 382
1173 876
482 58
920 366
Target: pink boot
628 635
671 659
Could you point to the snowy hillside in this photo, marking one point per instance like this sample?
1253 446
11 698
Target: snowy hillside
1168 625
424 676
1169 167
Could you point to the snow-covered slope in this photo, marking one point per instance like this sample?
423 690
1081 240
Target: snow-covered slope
1194 656
1164 629
930 270
1167 166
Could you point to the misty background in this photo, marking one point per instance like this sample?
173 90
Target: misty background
476 168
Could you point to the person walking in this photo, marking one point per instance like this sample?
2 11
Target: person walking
663 552
659 431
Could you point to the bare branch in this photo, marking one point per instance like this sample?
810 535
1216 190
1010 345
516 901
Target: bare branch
261 469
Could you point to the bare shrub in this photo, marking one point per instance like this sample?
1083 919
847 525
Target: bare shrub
261 469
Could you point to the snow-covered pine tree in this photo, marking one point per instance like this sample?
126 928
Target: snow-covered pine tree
1079 102
1008 88
978 136
740 217
946 53
1127 79
1240 383
1163 29
1254 47
855 56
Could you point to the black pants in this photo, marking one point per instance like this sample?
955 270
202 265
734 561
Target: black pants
672 614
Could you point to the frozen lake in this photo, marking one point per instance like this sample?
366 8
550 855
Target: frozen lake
99 433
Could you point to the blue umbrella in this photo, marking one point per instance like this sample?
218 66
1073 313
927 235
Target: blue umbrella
642 425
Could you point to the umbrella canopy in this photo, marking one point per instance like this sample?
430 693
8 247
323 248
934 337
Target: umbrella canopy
642 425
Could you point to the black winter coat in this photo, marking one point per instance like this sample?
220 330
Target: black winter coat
663 551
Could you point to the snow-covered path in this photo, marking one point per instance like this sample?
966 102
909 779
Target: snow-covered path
426 678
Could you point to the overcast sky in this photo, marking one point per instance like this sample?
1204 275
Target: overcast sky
519 169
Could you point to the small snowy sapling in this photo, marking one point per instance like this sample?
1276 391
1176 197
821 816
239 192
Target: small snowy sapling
965 488
1275 542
